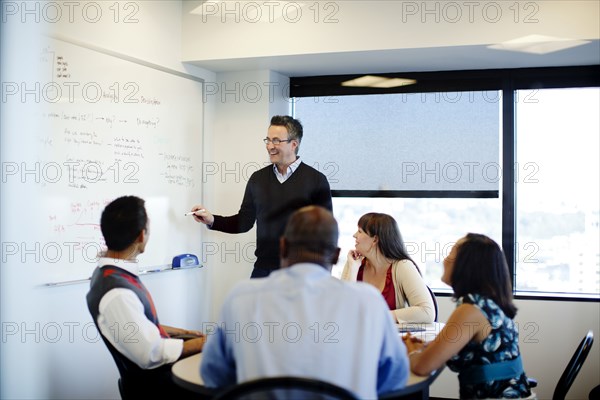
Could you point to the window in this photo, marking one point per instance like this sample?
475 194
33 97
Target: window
558 190
512 153
430 160
429 226
405 142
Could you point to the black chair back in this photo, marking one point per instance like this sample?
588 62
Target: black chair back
570 373
285 387
435 305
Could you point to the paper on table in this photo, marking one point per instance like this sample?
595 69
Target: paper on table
425 332
403 328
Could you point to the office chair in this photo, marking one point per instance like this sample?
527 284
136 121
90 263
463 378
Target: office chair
122 392
570 373
285 387
435 304
594 393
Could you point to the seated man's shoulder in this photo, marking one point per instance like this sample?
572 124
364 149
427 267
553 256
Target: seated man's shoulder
252 289
247 287
361 290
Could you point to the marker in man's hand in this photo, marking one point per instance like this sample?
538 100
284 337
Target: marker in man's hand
194 212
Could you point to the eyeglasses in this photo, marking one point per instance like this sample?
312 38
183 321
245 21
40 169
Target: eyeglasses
276 141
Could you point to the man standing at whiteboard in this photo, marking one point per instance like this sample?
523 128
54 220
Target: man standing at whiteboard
272 194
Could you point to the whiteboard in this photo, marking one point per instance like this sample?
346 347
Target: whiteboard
112 126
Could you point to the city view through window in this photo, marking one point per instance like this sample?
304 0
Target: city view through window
557 199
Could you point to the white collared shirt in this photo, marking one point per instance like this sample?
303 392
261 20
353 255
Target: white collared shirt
130 266
122 322
290 170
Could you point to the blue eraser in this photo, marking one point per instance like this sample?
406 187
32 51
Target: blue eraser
185 261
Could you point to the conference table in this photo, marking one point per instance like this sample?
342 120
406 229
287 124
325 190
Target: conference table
186 372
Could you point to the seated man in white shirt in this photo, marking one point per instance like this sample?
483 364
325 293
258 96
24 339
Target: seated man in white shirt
124 312
301 321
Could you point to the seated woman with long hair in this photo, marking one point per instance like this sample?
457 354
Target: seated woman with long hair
480 339
380 258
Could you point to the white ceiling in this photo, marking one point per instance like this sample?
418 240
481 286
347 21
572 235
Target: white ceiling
407 60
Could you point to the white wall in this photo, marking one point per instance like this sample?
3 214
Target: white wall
245 103
50 348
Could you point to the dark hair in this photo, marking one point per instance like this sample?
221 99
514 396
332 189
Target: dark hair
293 126
480 267
386 229
122 222
312 229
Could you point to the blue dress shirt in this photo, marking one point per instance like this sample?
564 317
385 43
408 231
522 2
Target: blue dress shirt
301 321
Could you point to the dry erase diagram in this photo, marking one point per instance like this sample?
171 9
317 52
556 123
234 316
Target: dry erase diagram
115 126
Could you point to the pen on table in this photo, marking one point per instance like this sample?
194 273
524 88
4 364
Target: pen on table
194 212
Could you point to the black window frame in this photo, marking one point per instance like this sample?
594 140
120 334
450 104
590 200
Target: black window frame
507 82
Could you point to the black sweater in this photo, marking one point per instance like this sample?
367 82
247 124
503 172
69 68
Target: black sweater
270 204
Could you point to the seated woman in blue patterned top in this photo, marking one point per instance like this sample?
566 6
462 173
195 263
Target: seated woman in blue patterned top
480 339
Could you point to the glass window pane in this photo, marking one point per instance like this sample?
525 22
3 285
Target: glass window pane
417 141
429 227
409 142
557 194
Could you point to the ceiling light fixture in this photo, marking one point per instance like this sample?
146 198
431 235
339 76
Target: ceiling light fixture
378 82
538 44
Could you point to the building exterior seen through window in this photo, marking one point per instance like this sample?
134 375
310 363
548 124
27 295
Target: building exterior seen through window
557 193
